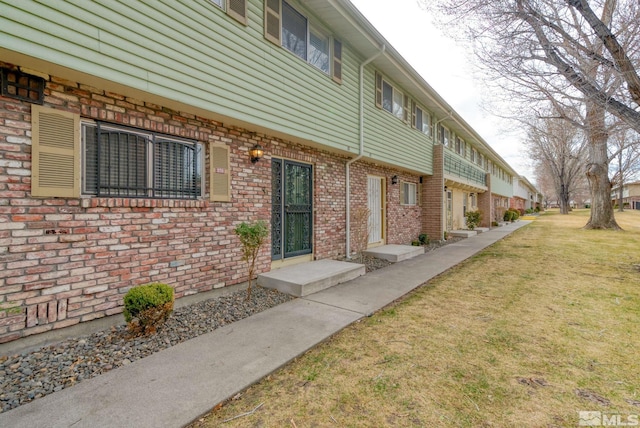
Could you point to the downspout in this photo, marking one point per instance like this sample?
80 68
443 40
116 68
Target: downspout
360 150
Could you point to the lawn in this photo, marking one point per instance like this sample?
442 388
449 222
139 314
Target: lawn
531 331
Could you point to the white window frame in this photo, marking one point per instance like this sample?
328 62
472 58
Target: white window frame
222 4
309 29
423 125
444 136
409 193
461 147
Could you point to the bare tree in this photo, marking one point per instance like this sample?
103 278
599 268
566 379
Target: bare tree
561 52
558 149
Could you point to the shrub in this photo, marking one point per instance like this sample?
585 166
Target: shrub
146 307
473 219
252 237
423 238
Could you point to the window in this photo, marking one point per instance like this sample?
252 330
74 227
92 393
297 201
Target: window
473 155
319 50
391 99
444 136
461 147
422 120
237 9
307 42
294 31
409 194
121 161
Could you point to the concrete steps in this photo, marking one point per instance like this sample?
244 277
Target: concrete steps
395 253
463 233
308 278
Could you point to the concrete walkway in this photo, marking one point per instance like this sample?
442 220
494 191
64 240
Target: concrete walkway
175 386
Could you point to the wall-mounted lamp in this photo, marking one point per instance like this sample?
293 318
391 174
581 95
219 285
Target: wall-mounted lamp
256 153
394 179
445 188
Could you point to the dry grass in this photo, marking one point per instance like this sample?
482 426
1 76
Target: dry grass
530 331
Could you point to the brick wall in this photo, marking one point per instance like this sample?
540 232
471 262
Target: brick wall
403 222
433 197
485 205
65 261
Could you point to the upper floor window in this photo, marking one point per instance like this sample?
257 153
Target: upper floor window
391 99
287 27
121 161
472 157
444 136
237 9
461 147
421 120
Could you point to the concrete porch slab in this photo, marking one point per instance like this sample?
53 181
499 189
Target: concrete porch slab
395 253
463 233
307 278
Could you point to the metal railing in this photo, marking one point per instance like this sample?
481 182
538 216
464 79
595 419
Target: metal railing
462 169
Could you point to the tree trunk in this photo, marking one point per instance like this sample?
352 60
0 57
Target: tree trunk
564 199
598 172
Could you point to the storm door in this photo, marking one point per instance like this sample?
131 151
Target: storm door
449 213
376 206
292 209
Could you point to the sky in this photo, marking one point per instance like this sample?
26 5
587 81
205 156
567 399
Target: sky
447 68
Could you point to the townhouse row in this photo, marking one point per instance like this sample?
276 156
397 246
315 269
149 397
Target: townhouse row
135 135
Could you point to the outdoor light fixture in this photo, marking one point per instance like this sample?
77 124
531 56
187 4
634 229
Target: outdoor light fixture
394 179
445 188
256 153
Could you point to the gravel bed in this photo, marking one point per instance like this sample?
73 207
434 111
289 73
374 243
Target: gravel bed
30 375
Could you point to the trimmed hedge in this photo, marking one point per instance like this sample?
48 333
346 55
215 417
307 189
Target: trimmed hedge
146 307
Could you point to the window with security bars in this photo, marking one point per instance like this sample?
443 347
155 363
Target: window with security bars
123 162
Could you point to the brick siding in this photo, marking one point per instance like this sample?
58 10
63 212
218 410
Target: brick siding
65 261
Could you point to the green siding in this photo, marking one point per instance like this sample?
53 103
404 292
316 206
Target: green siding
501 187
192 52
389 139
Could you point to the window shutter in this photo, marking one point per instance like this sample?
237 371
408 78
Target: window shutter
237 9
378 90
337 61
272 16
55 153
413 114
405 109
219 172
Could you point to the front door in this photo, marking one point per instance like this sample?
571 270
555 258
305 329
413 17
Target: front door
375 203
292 209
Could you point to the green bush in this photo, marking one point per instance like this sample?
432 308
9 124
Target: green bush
511 214
147 306
423 238
252 236
473 219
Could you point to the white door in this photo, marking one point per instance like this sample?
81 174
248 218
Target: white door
375 198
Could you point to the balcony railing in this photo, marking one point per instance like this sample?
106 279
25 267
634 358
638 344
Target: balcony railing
462 169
